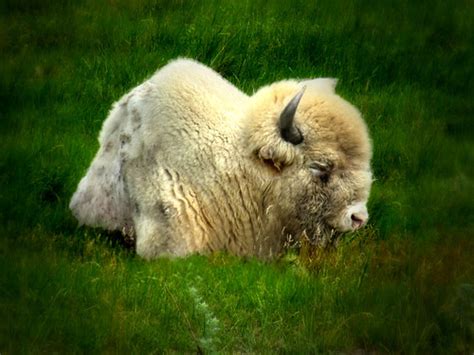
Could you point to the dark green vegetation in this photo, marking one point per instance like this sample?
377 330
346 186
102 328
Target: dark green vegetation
405 284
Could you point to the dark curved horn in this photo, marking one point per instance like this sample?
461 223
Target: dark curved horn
288 129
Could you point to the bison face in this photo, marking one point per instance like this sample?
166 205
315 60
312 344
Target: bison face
335 156
320 150
326 198
340 196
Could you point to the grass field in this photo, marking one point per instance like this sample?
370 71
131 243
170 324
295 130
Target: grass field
405 284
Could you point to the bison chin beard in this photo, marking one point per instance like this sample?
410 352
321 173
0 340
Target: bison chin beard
317 235
310 226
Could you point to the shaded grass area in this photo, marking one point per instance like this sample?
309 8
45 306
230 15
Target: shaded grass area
84 295
405 284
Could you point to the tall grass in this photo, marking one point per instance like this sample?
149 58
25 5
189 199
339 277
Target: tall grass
405 284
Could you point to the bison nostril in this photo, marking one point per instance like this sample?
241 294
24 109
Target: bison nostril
357 220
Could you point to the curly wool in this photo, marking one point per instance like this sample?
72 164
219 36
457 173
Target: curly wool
190 164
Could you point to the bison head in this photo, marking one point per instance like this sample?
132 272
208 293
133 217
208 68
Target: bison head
313 150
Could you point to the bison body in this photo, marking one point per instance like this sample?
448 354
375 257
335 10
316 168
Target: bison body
188 163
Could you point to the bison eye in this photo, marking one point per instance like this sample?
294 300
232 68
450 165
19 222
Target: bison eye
320 170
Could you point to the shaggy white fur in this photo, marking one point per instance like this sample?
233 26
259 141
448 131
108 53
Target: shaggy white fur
188 163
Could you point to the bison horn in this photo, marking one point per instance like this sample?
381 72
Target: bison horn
288 129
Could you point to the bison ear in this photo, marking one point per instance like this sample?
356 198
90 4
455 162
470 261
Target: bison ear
323 85
288 129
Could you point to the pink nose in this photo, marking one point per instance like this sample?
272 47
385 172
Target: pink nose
358 220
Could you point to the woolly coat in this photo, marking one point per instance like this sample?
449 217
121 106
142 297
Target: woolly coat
188 163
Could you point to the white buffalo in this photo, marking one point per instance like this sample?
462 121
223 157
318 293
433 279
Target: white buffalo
188 163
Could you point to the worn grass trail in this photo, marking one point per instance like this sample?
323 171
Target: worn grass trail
403 285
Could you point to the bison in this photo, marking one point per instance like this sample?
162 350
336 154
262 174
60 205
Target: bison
188 163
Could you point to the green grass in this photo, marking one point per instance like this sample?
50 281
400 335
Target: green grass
403 285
